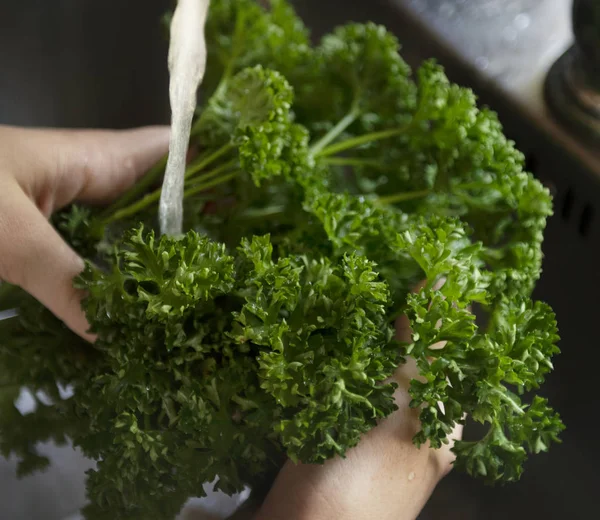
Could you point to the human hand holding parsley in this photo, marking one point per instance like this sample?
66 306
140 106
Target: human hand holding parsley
41 172
386 476
328 182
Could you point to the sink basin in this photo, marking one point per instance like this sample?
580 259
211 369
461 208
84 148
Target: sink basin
65 71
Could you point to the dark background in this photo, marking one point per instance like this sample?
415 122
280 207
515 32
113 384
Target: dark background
78 63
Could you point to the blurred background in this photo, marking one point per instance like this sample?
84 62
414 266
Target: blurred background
84 63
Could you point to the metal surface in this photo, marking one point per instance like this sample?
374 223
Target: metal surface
507 41
573 84
572 99
510 45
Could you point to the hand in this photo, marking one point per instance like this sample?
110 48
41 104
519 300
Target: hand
385 477
42 171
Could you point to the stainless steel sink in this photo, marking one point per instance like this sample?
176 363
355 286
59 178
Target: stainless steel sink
67 69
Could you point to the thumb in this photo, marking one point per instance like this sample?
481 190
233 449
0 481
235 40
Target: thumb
56 167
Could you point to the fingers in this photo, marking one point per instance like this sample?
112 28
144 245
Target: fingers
403 330
441 458
34 257
44 170
113 161
55 167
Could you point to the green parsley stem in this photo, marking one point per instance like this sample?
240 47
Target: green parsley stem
354 142
402 197
203 162
330 136
151 198
138 188
351 161
134 208
263 213
154 174
210 184
508 400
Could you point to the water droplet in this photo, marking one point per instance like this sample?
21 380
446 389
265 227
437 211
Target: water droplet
522 21
65 392
5 315
44 398
482 63
25 403
447 9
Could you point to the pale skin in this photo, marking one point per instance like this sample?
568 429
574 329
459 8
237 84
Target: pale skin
385 477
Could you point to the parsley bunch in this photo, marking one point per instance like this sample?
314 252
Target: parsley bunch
328 182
